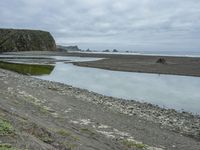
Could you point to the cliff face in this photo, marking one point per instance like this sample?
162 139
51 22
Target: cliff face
26 40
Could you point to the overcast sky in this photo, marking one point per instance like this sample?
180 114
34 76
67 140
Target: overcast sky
101 24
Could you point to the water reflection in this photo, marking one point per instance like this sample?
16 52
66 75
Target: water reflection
171 91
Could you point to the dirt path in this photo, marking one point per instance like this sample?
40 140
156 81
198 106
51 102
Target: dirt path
46 115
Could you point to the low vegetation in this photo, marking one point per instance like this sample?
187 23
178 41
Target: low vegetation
6 147
64 132
132 144
87 131
5 127
70 145
27 69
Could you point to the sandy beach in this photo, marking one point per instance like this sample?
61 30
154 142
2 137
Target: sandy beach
188 66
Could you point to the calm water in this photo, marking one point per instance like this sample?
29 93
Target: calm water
171 91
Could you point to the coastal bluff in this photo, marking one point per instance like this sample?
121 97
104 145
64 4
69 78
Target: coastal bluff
12 40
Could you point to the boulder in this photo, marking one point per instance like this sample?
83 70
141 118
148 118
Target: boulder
161 61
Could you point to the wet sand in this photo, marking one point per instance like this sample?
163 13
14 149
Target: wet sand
187 66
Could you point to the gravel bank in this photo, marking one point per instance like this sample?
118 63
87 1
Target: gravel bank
182 122
97 121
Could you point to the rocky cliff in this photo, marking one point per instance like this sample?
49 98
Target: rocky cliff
26 40
68 48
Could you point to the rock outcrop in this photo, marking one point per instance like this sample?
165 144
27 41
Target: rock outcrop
68 48
161 61
26 40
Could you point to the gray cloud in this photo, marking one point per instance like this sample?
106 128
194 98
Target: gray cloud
100 24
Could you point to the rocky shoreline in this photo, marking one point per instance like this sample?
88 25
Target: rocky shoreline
111 123
185 123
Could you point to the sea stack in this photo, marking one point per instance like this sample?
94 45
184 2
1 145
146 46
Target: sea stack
26 40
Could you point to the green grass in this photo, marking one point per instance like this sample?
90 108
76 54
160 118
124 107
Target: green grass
27 69
132 144
5 127
88 131
64 132
46 139
6 147
69 145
